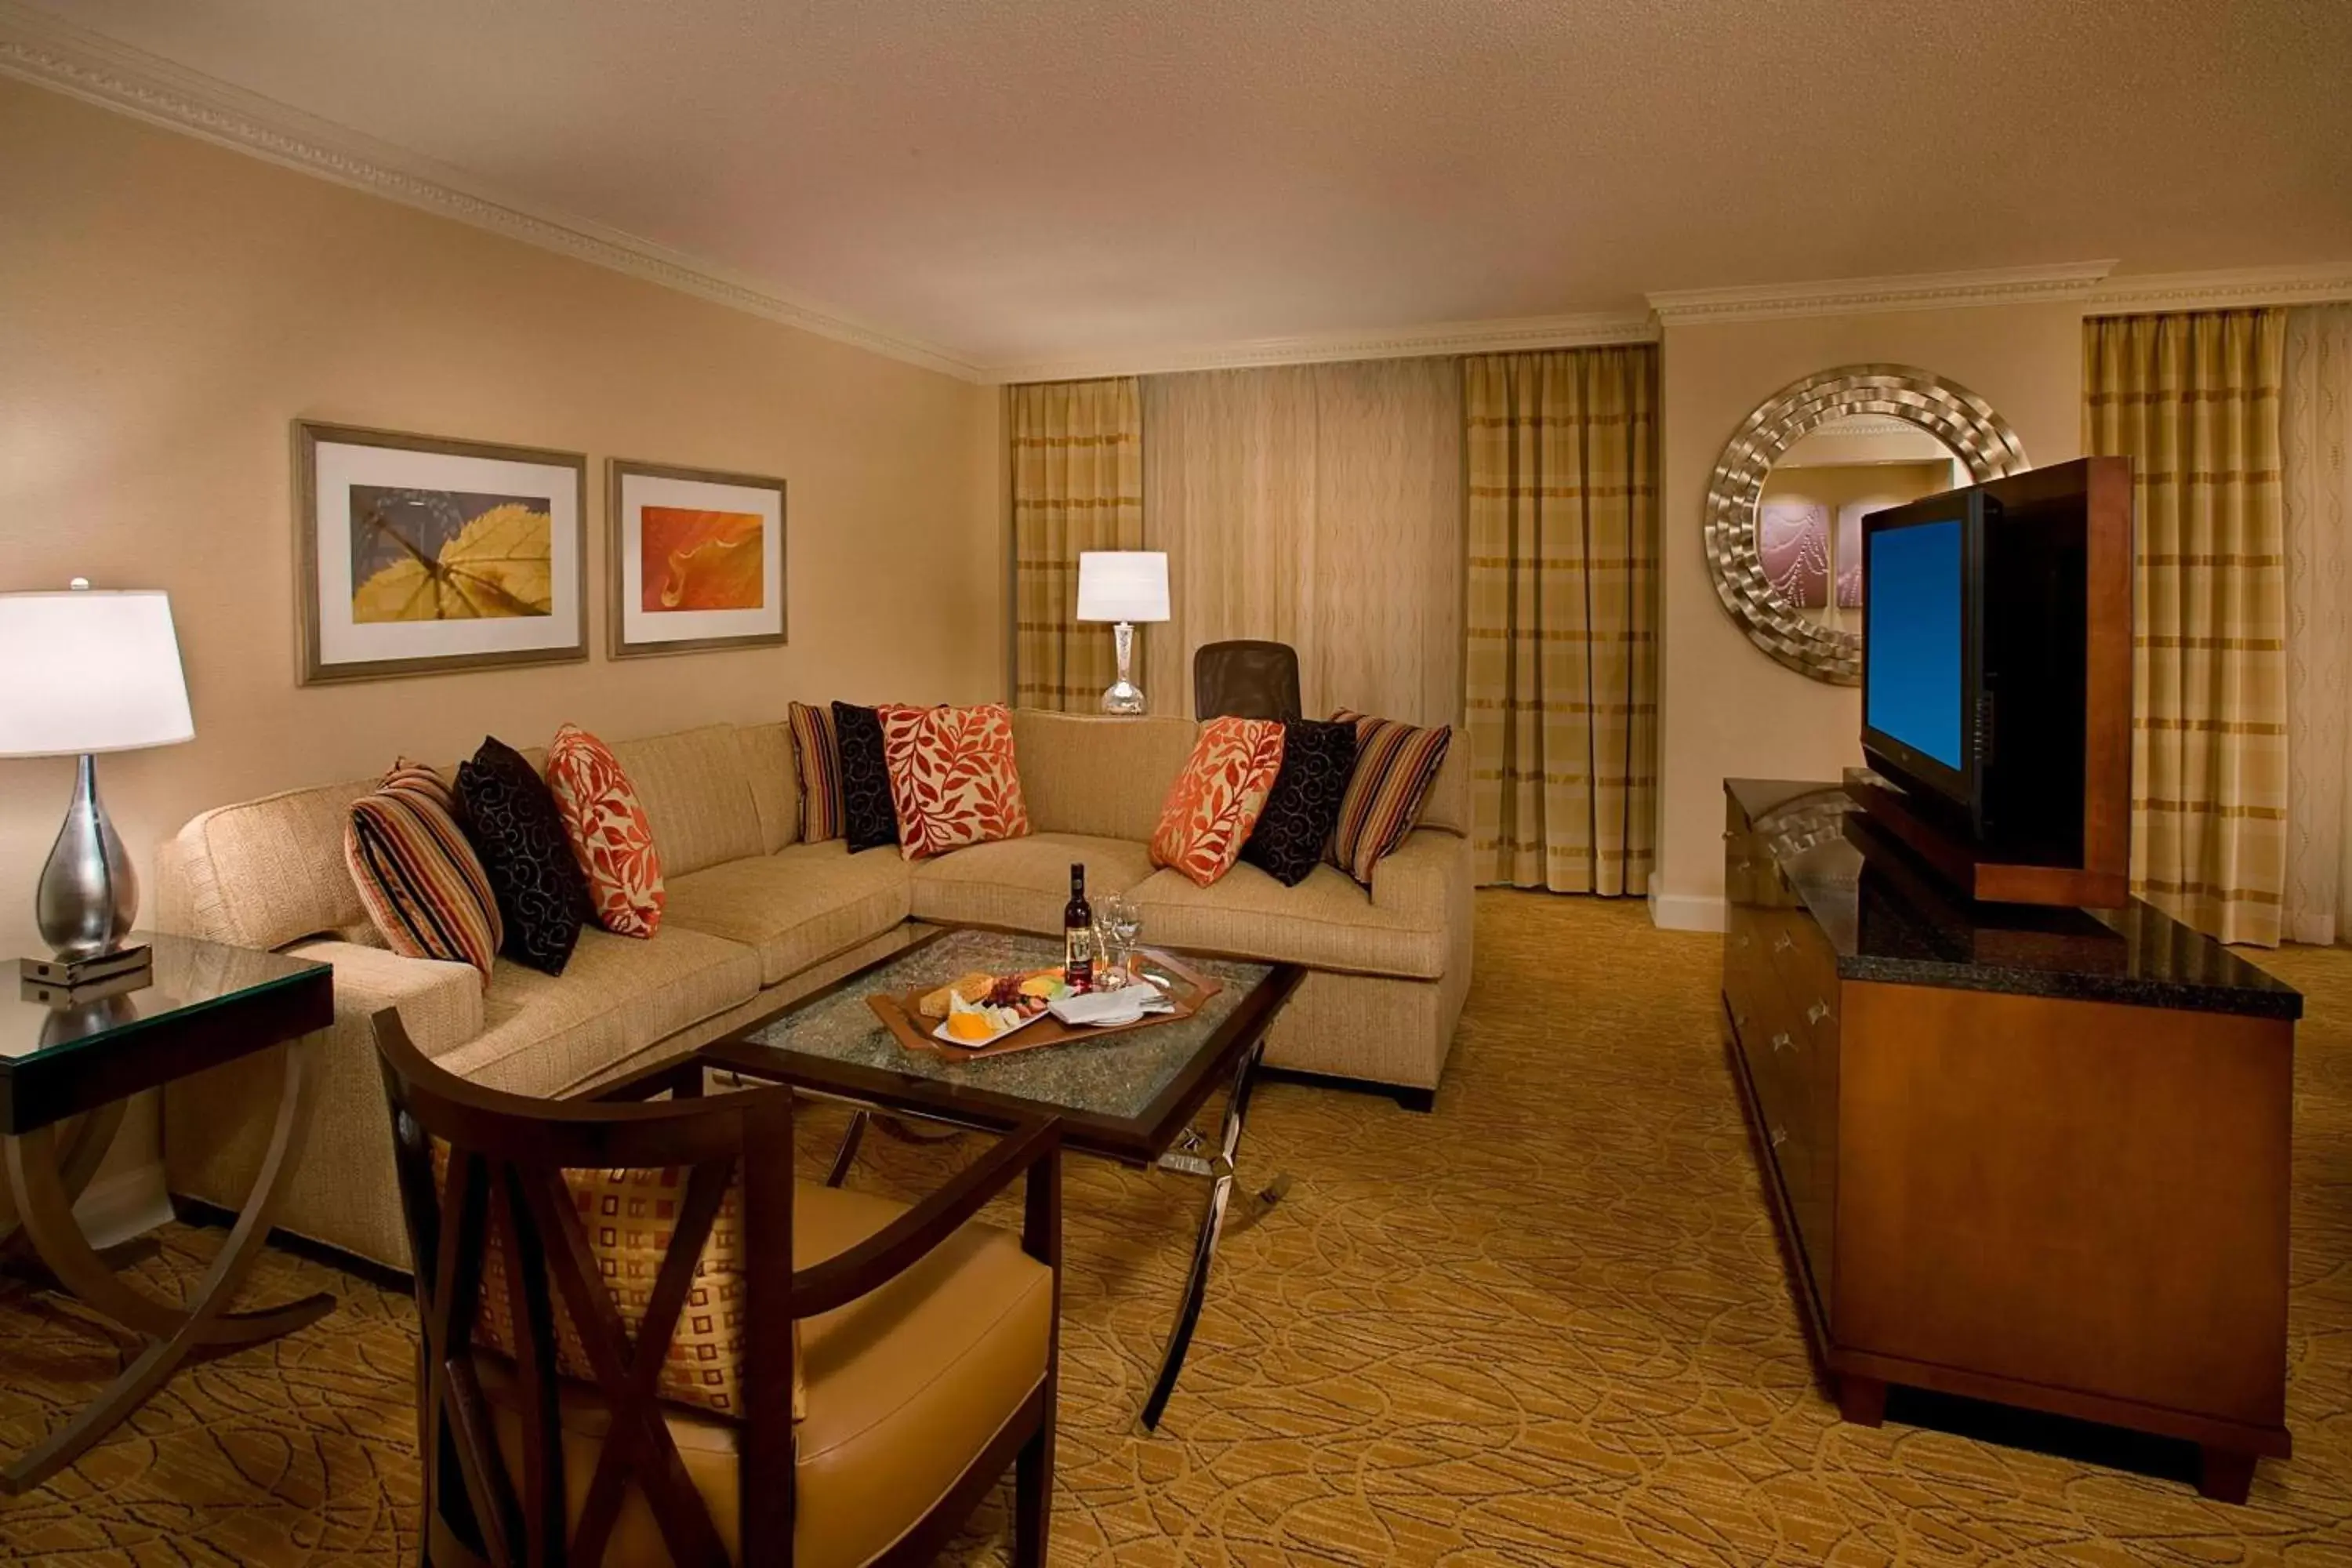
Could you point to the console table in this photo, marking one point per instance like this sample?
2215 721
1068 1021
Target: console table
2030 1155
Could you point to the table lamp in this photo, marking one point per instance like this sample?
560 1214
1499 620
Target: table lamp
1123 586
89 671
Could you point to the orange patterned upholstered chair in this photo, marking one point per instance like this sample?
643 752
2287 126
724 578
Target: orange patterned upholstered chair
620 1302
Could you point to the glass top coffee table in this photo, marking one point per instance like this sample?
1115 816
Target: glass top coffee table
1130 1096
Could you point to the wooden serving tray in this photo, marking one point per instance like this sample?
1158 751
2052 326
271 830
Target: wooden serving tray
902 1016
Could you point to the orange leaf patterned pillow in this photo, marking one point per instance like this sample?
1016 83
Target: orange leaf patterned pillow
610 834
953 777
1216 800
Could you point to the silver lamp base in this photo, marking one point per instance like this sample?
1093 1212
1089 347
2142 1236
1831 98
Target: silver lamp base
89 895
1123 696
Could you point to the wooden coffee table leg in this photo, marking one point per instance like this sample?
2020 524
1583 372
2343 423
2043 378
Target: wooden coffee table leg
35 1183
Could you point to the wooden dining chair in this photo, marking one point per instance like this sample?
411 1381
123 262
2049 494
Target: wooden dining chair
622 1304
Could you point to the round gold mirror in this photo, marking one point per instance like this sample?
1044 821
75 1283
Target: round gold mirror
1784 507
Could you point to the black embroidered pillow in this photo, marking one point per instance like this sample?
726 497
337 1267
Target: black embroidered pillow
868 820
1318 760
511 818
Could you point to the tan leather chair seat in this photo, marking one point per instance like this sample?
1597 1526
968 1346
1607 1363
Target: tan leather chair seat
906 1386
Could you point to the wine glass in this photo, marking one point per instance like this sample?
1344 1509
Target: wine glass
1122 924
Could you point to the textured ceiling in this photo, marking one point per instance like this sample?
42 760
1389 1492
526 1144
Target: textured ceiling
1027 180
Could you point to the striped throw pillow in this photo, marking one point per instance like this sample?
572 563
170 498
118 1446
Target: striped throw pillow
418 879
817 752
1394 765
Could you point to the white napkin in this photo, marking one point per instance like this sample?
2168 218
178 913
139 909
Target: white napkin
1121 1006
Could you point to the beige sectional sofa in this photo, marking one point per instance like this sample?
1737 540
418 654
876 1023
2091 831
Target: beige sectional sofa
756 919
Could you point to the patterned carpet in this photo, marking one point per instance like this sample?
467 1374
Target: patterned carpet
1546 1324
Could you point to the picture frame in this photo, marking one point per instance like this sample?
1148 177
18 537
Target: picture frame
697 560
429 555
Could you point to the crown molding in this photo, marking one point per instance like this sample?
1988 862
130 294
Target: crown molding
1327 348
41 49
37 48
2243 287
1871 296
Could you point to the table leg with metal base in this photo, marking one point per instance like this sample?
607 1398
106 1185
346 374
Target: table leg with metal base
42 1197
1219 1169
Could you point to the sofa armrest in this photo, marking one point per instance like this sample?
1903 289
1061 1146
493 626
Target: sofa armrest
440 1003
1425 880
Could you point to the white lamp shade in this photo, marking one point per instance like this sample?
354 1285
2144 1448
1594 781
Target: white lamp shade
90 670
1122 586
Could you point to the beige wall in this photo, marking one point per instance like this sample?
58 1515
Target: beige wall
167 307
1729 709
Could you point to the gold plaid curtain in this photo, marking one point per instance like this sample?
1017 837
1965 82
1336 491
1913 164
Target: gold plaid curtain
1077 484
1560 658
2193 400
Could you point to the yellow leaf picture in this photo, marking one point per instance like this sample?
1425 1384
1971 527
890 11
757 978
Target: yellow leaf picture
496 564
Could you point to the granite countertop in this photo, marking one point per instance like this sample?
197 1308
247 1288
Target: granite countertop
1888 919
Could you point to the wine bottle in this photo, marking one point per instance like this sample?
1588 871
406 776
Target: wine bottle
1077 933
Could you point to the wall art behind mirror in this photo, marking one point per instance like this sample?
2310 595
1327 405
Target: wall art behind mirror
697 560
1785 505
423 555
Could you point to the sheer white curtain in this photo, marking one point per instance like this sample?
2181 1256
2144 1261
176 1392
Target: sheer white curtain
1318 506
2316 469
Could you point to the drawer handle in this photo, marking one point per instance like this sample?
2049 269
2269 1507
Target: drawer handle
1779 1136
1817 1011
1783 943
1742 939
1781 1042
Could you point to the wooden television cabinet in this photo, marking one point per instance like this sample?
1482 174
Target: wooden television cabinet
2030 1155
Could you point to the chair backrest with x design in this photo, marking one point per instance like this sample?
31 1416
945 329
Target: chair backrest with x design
505 1192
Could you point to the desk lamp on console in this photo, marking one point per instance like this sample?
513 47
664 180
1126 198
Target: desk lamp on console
2027 1136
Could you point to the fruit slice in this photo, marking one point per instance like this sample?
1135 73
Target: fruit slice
972 1028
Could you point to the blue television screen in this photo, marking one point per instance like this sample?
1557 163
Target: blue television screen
1912 638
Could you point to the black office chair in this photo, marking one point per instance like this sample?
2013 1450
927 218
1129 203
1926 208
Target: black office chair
1246 680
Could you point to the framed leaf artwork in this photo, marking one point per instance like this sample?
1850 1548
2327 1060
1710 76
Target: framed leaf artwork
697 560
418 555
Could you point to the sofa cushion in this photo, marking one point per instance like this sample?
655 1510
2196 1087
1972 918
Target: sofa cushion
697 794
775 783
1302 812
609 833
869 817
421 883
546 1036
514 827
1327 922
1215 800
816 763
1087 773
953 778
1395 764
1022 883
796 907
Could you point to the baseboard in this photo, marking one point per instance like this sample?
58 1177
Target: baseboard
200 1211
117 1208
1684 912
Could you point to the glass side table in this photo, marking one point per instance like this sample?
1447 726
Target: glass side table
77 1057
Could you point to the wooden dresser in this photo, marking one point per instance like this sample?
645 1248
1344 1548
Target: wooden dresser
2036 1156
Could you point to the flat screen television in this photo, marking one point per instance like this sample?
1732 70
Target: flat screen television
1975 615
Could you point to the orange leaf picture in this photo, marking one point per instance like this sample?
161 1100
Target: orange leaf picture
695 559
